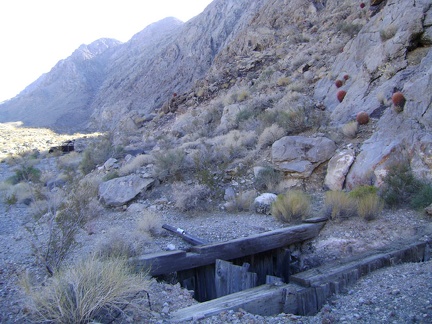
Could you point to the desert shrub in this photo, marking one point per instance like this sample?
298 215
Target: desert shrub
369 206
69 161
149 223
168 163
190 197
19 193
423 197
97 153
363 191
338 205
133 165
270 135
60 215
26 173
292 120
399 185
119 245
350 129
388 32
349 28
93 290
268 179
111 175
283 81
242 201
293 206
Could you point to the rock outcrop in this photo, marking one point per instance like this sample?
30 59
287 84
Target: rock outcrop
299 155
119 191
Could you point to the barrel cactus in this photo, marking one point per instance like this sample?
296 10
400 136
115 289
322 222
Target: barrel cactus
341 95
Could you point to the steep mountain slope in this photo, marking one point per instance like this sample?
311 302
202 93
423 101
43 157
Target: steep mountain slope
60 98
147 71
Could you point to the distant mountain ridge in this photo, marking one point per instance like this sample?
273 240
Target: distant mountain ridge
106 80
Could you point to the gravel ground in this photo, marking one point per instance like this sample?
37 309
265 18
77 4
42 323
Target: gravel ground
400 294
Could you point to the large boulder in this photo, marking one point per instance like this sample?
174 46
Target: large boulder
300 155
119 191
338 168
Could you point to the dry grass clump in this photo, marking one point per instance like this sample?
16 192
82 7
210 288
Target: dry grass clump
71 160
149 222
350 129
17 194
119 245
338 205
241 202
134 164
93 290
190 197
270 135
369 206
293 206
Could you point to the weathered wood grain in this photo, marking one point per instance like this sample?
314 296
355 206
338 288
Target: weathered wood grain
168 262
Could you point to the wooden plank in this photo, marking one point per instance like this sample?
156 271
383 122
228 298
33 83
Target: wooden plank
230 278
157 263
260 242
348 272
168 262
265 300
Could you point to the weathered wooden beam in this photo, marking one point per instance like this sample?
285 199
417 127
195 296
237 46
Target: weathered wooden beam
359 266
167 262
263 300
259 242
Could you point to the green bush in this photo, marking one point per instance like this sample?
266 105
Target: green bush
293 206
399 185
97 153
423 197
92 291
169 163
363 191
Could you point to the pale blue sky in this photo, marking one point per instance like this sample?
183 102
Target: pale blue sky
36 34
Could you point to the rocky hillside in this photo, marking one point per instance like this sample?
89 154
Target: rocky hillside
255 82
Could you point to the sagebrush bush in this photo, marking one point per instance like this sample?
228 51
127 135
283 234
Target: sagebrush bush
149 222
399 185
270 135
60 215
134 164
293 206
97 153
169 163
93 290
268 179
338 205
190 197
119 245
